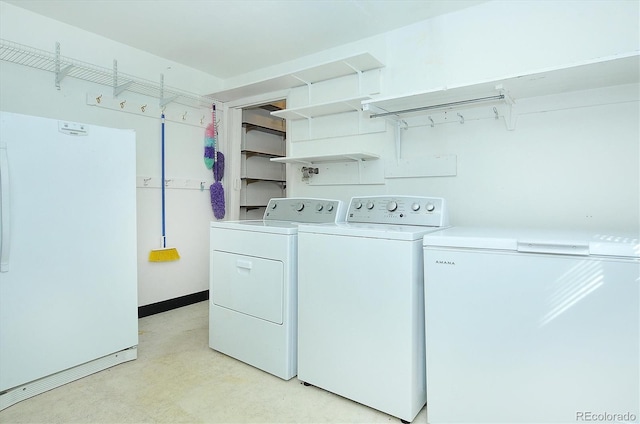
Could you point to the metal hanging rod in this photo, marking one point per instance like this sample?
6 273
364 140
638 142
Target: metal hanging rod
66 67
439 106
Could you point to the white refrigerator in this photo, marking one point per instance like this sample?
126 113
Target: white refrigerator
68 266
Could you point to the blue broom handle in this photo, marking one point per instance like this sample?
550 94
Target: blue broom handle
164 238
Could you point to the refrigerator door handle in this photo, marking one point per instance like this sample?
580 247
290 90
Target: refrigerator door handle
5 222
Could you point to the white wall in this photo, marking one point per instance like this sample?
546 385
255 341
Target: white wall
32 91
575 168
507 37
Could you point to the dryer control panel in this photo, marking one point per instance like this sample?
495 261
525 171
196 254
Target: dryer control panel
309 210
402 210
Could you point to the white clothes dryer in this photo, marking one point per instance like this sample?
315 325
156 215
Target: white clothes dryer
361 302
528 326
253 283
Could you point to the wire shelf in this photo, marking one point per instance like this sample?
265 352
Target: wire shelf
66 67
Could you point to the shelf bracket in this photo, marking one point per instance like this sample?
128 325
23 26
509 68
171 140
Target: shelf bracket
373 110
60 73
118 89
301 80
401 125
164 101
511 115
358 72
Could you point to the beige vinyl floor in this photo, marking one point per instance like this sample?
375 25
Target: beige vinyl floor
177 378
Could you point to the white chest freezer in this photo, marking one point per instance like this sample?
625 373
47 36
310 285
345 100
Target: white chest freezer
531 327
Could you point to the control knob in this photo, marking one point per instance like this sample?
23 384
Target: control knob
430 207
274 205
369 205
300 207
358 205
392 206
329 207
319 207
415 207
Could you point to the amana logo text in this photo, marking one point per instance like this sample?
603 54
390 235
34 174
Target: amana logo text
445 262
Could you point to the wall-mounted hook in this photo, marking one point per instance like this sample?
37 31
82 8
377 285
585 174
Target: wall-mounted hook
164 108
202 120
202 185
99 99
166 182
461 118
146 181
433 124
496 112
143 108
184 117
122 103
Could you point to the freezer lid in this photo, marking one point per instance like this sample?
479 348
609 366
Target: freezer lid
472 238
536 241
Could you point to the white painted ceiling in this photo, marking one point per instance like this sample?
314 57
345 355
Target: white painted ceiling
226 38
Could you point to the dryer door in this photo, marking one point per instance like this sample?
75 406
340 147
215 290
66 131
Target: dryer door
248 284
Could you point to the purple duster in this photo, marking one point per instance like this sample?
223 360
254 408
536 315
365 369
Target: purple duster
216 190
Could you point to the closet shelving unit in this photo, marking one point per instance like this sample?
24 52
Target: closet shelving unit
64 67
263 138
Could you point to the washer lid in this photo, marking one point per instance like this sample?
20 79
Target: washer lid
260 226
537 241
365 230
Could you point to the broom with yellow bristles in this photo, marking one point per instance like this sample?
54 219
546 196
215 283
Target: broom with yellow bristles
164 254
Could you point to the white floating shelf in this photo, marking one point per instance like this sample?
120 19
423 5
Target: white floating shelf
321 109
343 157
328 70
603 72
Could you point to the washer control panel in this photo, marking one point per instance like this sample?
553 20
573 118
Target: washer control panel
305 210
403 210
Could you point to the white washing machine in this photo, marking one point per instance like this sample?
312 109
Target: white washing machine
531 327
253 283
361 304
